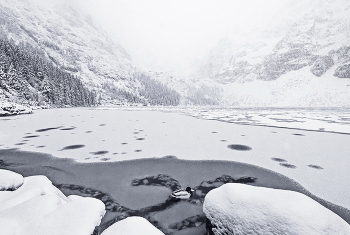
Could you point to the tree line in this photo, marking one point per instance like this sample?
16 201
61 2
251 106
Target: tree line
27 75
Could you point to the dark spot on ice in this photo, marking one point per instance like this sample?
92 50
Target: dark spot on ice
68 128
20 143
223 140
88 131
72 133
137 151
170 157
115 153
288 165
136 133
214 132
102 124
239 147
140 130
99 152
103 140
278 159
140 138
124 143
41 146
31 136
70 147
47 129
315 167
105 159
299 134
273 132
242 135
123 152
87 158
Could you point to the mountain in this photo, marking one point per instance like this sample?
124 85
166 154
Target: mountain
68 42
300 58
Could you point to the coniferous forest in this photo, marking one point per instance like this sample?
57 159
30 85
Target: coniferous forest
28 77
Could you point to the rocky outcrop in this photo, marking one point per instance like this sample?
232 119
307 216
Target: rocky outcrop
243 209
343 71
8 109
321 65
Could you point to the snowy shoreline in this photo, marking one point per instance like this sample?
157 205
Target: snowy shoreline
112 182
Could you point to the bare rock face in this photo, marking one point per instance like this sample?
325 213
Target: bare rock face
343 71
321 65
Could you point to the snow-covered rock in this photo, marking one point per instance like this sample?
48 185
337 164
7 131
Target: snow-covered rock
39 208
10 180
9 108
243 209
132 226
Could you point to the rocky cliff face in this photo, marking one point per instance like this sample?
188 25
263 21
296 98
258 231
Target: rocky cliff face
306 39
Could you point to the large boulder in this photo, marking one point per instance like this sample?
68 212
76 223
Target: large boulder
321 65
132 226
243 209
37 207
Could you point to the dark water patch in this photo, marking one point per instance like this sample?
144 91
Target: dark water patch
103 140
25 140
102 124
31 136
20 143
287 165
124 143
28 133
315 167
214 132
47 129
170 157
158 180
278 159
242 135
140 130
299 134
99 152
71 147
105 159
41 146
68 128
239 147
140 138
138 150
88 131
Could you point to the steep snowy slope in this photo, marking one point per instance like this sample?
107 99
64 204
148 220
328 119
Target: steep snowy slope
301 58
70 40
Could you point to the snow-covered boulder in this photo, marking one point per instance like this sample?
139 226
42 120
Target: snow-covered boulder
10 180
243 209
9 108
39 208
132 226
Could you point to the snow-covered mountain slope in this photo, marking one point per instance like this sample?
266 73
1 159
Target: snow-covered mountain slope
301 58
70 40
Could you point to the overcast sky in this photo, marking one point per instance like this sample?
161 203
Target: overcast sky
174 34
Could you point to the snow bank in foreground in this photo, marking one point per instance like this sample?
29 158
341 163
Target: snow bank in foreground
243 209
7 108
39 208
10 180
132 226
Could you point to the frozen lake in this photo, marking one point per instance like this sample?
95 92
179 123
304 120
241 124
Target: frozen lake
310 146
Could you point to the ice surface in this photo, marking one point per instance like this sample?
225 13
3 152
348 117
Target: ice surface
243 209
10 180
301 137
132 226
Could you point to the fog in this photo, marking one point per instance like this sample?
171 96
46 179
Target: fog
173 36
